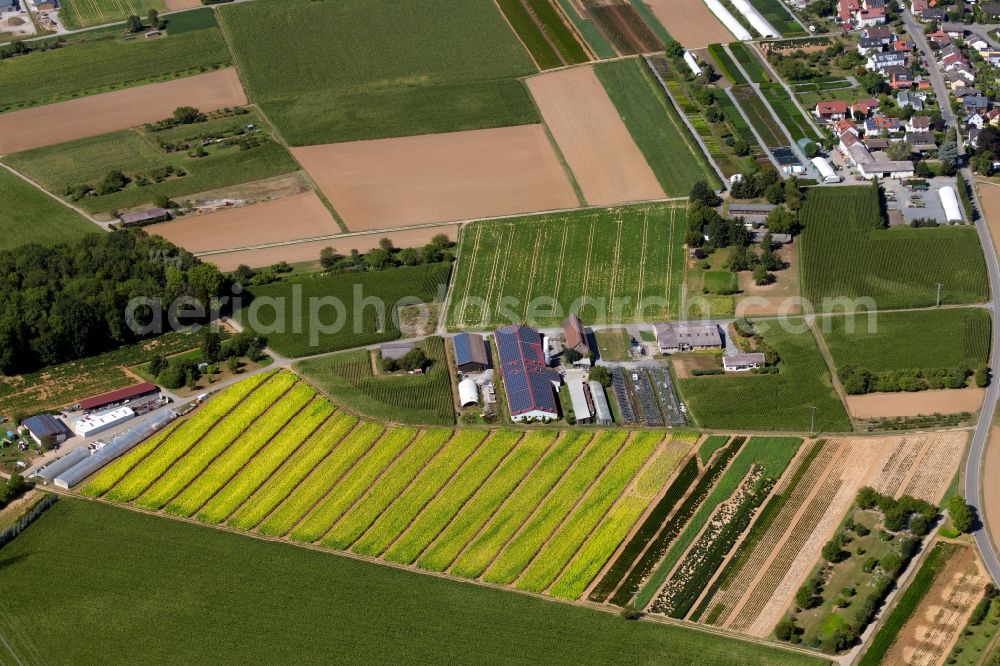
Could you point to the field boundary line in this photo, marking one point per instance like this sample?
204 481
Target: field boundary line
517 487
256 453
562 259
642 264
831 367
529 10
590 252
524 46
534 268
232 441
381 475
670 265
616 262
329 491
576 503
465 461
285 463
437 537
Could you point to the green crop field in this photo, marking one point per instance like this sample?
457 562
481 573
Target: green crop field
750 62
788 113
182 565
598 263
29 216
908 340
846 256
549 40
753 106
189 21
137 153
662 137
102 65
778 16
338 311
724 63
771 402
588 29
78 14
537 510
351 70
423 399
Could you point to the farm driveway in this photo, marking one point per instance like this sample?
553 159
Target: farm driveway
121 109
389 183
690 22
607 164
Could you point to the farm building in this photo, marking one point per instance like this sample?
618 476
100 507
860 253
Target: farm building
757 236
743 362
825 170
530 383
396 350
576 337
143 217
692 63
95 423
470 352
602 411
672 337
468 393
750 212
886 169
949 200
578 397
57 467
118 397
46 425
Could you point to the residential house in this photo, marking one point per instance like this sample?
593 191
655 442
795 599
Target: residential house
868 45
899 77
978 43
872 14
878 62
972 137
883 33
876 143
881 125
917 6
832 110
990 9
743 362
864 107
939 38
921 141
993 117
902 46
918 124
853 150
576 336
977 120
933 14
954 30
906 98
975 103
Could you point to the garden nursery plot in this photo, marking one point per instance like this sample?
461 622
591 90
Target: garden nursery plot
157 163
598 263
349 70
29 216
847 254
539 510
780 401
339 310
170 569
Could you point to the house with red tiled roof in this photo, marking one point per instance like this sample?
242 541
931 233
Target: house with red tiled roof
864 107
832 110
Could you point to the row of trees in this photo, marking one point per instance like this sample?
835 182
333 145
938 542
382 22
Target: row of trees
177 372
387 255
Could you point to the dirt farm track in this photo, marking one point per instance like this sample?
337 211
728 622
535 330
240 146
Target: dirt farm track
440 177
608 166
121 109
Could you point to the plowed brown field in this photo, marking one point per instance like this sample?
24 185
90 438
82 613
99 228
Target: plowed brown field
440 177
943 401
608 166
121 109
690 22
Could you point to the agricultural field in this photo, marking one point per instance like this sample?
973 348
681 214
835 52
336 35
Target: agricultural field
846 254
659 133
332 311
422 399
789 114
345 71
753 106
60 385
742 130
569 257
140 154
195 564
689 21
29 216
542 30
725 65
102 65
623 26
76 14
909 340
779 401
778 16
541 511
587 28
749 61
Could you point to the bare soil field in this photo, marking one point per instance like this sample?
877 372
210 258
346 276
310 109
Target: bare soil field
989 198
291 218
932 630
690 22
118 110
781 297
309 250
624 27
176 5
943 401
608 166
256 191
991 486
469 175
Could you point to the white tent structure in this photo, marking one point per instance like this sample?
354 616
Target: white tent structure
728 20
57 467
468 392
825 170
692 63
756 19
949 200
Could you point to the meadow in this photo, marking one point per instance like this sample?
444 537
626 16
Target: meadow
423 399
136 152
846 254
328 72
352 309
104 64
909 340
536 23
378 614
659 133
77 14
598 263
779 401
29 216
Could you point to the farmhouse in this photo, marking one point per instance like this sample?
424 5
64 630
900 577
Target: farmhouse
396 350
46 425
95 423
601 409
921 141
470 352
576 337
119 397
832 110
672 337
743 362
530 383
